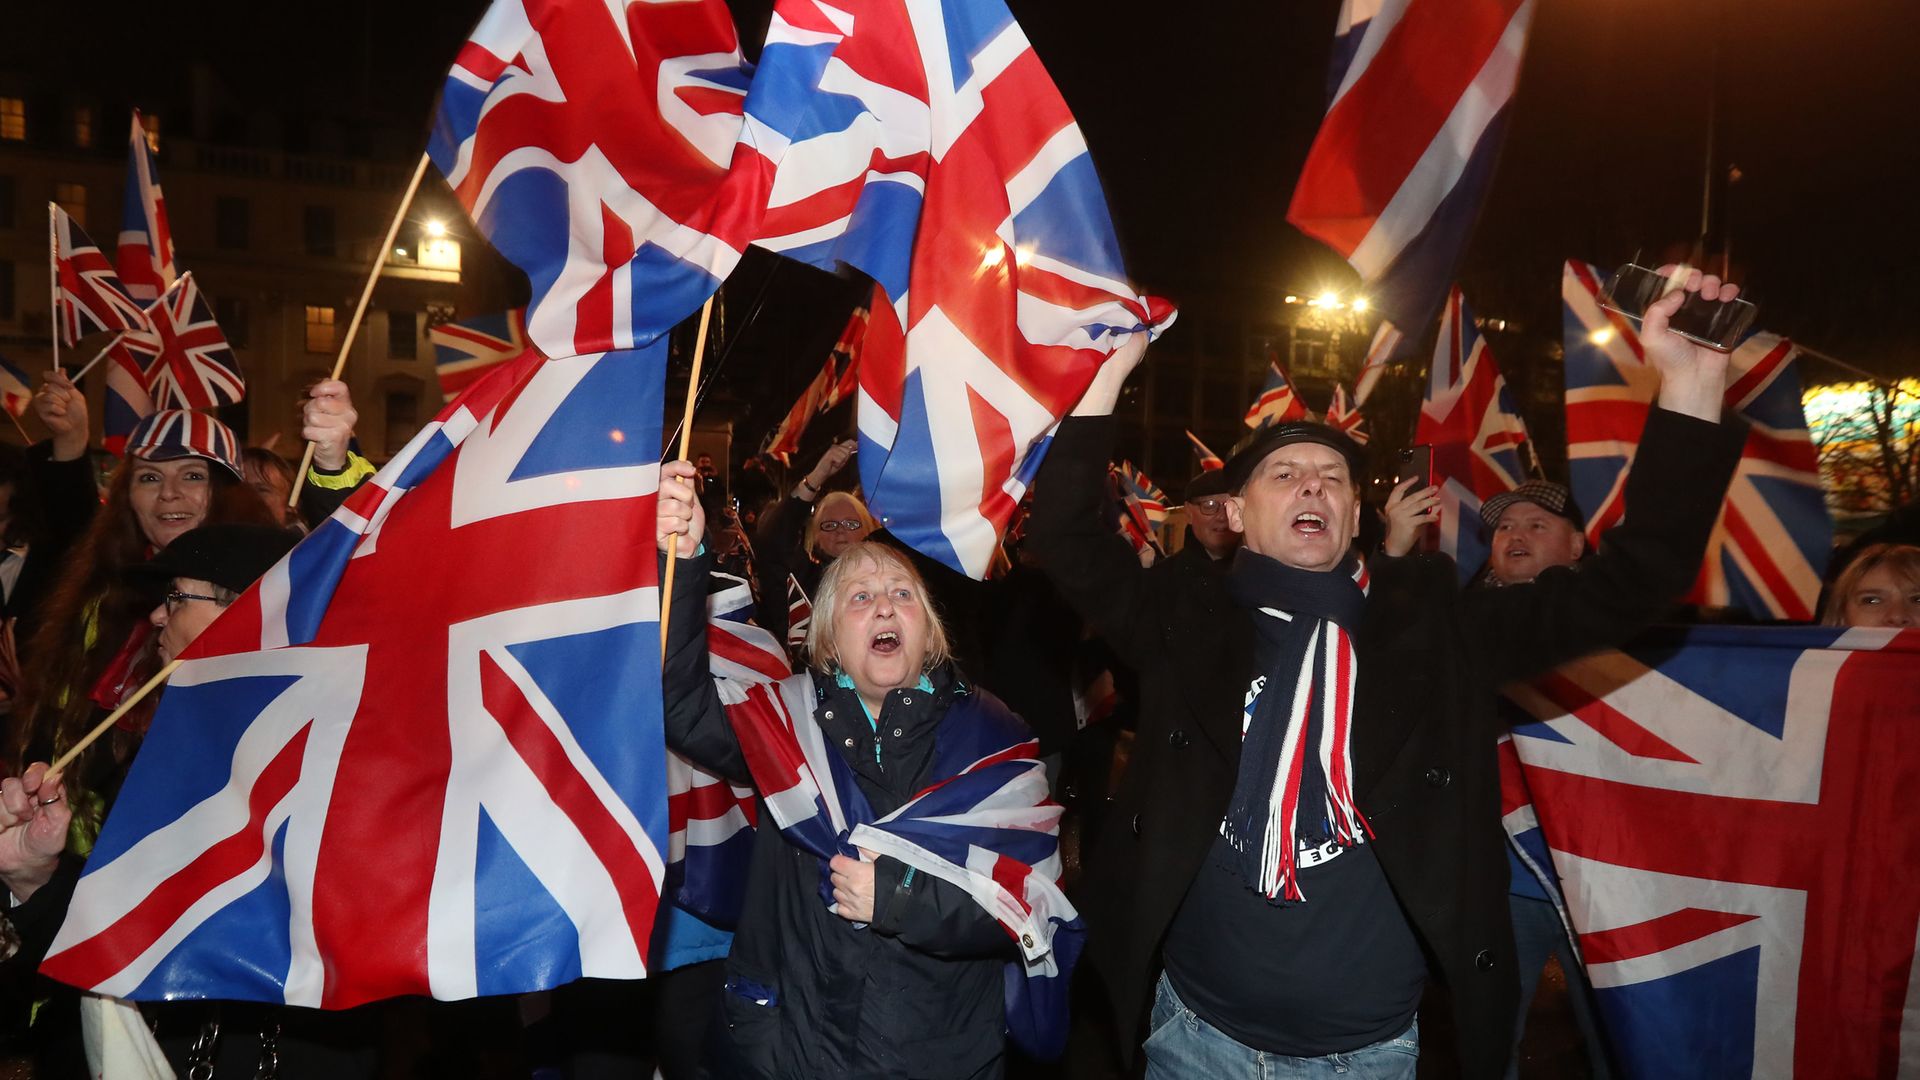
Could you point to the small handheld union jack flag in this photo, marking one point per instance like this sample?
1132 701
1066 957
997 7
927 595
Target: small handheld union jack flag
1277 403
184 358
1208 460
87 294
1344 413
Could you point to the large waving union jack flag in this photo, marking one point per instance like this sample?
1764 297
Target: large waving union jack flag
939 159
1771 543
145 251
87 294
1726 813
1476 433
1419 92
613 151
423 755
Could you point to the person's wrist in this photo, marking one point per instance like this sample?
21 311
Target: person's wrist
329 459
70 446
23 881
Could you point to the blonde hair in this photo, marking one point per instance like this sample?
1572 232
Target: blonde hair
812 539
822 651
1902 559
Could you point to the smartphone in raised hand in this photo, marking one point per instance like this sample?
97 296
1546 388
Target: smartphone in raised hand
1717 324
1416 463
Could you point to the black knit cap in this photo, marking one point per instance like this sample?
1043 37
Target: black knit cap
1265 441
231 556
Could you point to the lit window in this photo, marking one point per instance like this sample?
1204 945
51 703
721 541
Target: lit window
73 199
83 127
151 121
319 329
13 118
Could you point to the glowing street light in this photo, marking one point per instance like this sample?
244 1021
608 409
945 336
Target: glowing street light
436 229
1291 299
1330 300
1601 336
993 257
1360 304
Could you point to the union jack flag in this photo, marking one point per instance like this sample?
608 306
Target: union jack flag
1476 433
711 821
1344 413
1727 813
1143 491
87 294
1207 459
986 825
613 152
799 615
1277 403
838 381
940 160
145 255
1132 520
463 352
182 356
508 705
1774 534
16 390
1395 177
1385 344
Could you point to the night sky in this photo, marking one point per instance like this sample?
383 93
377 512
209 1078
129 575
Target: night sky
1199 115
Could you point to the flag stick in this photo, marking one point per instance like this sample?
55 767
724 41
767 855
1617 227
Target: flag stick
97 357
686 437
28 439
53 274
360 310
113 718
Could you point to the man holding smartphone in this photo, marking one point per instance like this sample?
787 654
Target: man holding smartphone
1312 813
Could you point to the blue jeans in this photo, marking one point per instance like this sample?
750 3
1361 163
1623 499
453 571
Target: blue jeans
1184 1047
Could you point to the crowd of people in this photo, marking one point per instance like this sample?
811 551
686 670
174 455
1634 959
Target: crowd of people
1275 749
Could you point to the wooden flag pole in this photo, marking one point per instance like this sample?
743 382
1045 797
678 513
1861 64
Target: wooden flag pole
53 271
113 718
360 309
686 437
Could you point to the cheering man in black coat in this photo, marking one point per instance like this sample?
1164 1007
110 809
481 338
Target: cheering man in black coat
1311 823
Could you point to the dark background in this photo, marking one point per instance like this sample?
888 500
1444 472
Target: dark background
1199 115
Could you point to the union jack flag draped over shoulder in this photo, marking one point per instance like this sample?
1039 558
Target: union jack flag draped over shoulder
514 839
985 824
145 255
1725 812
1476 433
1770 546
1418 106
940 160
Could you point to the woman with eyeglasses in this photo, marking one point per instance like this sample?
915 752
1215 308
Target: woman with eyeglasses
804 533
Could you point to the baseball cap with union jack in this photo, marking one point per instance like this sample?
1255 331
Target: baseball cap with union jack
177 433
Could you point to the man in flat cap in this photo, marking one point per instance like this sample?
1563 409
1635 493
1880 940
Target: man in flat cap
1310 826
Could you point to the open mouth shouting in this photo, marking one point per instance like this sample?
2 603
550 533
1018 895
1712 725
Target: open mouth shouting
886 643
1309 524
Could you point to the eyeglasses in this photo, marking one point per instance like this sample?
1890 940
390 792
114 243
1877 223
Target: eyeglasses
176 598
1208 507
848 524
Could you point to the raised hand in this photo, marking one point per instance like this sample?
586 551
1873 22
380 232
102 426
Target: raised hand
326 420
1693 377
678 515
62 407
1409 511
33 829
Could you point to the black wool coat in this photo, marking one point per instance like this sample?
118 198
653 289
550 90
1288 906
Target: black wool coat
1430 659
